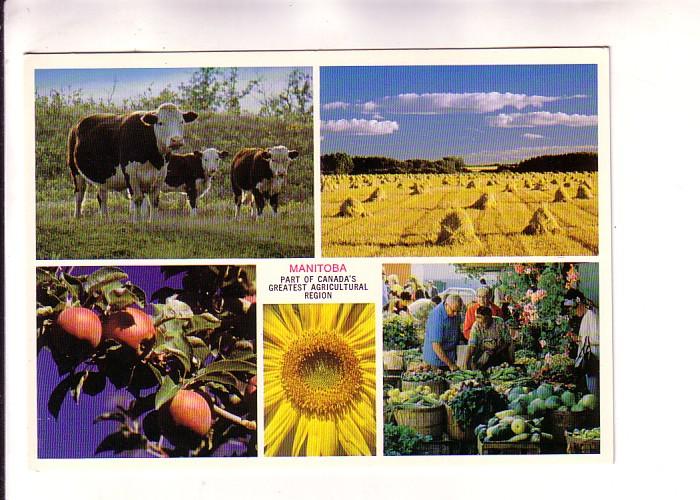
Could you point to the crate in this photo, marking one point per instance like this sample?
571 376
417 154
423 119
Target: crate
424 420
393 360
558 422
437 386
506 448
453 428
581 446
392 380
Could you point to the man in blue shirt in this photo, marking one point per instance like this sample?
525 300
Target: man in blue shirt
443 331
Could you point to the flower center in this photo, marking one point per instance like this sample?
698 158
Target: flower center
320 373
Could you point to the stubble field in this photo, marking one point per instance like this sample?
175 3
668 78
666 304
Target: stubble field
472 214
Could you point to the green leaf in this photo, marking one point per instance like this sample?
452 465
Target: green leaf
120 297
167 391
58 395
220 378
101 277
173 309
138 292
113 416
78 381
241 356
119 442
228 365
201 322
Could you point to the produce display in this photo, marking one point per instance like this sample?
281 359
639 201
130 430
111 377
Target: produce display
419 376
509 427
504 373
472 406
422 396
462 375
586 433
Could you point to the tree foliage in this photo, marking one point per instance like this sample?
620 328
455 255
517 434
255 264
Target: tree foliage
204 341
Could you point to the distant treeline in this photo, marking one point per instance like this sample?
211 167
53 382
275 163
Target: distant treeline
342 163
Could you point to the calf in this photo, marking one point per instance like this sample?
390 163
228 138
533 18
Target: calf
262 172
192 174
125 152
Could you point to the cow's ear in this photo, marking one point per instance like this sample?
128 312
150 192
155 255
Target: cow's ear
197 154
293 154
223 154
149 119
266 155
190 116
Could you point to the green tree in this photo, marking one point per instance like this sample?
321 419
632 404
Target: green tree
202 91
296 98
232 96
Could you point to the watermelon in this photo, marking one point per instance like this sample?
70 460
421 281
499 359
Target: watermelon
568 398
544 391
536 407
588 401
515 393
519 406
502 432
552 402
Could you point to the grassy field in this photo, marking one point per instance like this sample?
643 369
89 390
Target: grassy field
213 233
405 221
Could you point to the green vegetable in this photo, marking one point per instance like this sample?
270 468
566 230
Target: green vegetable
519 437
401 440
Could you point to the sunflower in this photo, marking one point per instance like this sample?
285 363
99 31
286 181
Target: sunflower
319 379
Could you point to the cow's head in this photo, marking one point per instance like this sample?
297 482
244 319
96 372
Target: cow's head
279 159
168 125
210 160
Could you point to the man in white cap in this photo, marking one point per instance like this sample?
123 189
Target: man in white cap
484 298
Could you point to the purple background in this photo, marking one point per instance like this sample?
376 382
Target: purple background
74 435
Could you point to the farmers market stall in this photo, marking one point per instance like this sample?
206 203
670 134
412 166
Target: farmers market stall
540 404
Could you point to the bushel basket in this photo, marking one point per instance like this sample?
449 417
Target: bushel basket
422 419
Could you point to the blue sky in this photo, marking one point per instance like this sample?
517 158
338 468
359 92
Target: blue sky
485 114
126 83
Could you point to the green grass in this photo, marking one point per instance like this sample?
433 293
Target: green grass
213 233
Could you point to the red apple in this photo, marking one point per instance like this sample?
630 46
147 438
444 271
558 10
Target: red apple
252 386
130 326
82 324
191 410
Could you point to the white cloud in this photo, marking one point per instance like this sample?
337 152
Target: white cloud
377 116
533 136
475 102
359 127
369 106
335 105
541 119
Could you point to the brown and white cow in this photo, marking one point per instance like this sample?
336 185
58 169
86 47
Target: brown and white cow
125 152
191 174
263 172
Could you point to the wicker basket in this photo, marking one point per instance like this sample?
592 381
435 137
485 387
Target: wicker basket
506 448
453 428
393 360
437 385
581 446
424 420
562 421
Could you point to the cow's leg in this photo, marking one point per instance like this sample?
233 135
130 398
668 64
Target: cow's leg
137 201
102 198
274 202
80 188
259 202
237 199
192 197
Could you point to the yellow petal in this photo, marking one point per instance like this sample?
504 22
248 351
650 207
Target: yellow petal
351 438
278 427
300 436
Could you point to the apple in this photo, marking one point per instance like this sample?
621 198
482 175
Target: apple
82 324
189 409
130 326
186 418
252 386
